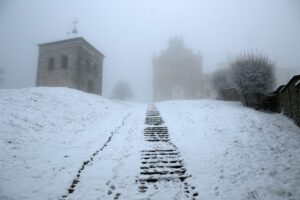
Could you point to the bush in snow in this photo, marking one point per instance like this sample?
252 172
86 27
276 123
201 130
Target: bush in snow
254 76
122 91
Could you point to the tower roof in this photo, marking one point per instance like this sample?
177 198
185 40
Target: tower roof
80 39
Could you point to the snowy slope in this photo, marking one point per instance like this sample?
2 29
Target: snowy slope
45 135
234 152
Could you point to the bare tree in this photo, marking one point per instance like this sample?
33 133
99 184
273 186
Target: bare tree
254 76
122 91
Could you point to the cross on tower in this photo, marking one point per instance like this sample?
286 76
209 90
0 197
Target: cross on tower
75 22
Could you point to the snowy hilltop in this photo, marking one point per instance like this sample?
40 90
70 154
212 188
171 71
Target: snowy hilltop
59 143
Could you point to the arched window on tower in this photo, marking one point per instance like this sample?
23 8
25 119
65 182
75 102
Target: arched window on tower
51 64
64 62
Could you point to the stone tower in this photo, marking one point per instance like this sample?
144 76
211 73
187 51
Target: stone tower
177 73
72 63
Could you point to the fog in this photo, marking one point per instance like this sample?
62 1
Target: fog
130 32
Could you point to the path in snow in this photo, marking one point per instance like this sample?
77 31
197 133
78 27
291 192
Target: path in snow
162 172
76 180
131 165
113 170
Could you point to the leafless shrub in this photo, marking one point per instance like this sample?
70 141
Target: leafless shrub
253 73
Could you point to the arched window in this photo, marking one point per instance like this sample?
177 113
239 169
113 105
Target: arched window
64 61
91 86
51 64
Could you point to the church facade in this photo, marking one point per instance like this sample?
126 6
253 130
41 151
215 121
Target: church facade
177 73
72 63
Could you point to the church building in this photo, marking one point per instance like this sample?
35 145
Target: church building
177 73
72 63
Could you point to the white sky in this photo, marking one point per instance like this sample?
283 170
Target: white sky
130 32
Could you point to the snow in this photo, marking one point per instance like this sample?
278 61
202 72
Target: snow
235 152
46 133
231 152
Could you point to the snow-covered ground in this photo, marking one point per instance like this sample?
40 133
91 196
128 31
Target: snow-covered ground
232 152
235 152
46 134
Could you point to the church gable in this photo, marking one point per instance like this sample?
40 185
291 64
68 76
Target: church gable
177 73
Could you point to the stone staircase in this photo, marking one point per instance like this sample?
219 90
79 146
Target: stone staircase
161 161
156 134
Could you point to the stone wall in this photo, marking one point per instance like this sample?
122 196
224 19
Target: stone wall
90 70
290 100
286 99
58 76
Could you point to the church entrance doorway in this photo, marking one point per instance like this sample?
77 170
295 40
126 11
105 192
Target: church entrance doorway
178 93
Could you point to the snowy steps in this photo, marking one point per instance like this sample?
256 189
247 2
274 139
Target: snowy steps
161 162
153 117
156 134
153 120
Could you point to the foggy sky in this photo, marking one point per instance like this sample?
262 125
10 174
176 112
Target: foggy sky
130 32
